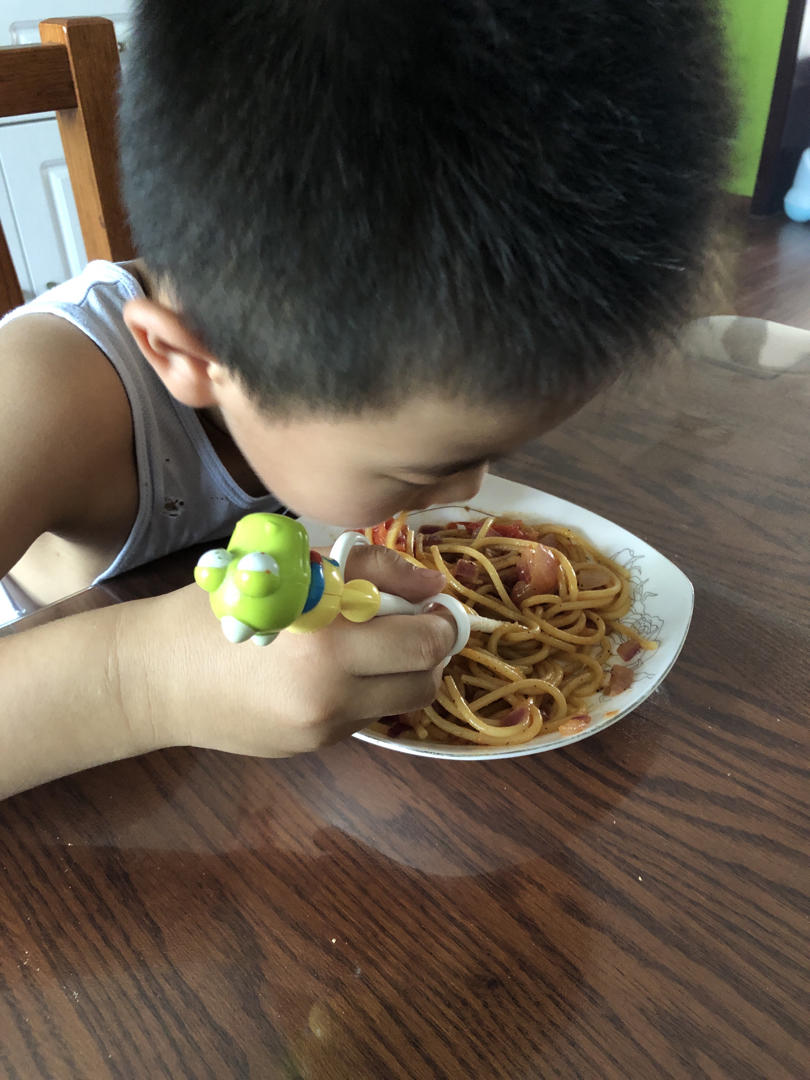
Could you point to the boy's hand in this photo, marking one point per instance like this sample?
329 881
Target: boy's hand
184 681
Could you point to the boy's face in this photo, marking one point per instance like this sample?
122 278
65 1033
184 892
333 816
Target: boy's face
351 471
360 470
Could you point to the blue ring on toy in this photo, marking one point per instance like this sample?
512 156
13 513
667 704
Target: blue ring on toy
315 587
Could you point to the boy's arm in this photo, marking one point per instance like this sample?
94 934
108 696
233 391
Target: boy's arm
67 467
152 673
109 684
60 704
65 439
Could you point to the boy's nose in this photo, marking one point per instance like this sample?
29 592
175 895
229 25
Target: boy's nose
461 487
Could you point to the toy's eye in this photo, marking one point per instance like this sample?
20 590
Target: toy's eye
258 560
257 574
209 573
215 558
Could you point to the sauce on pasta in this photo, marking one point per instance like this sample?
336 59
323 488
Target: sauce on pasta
561 603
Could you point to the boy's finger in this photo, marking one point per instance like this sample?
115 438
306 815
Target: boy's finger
393 574
388 695
396 644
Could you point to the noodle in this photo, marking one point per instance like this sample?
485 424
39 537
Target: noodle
561 603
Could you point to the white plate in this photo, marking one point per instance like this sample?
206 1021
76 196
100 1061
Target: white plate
662 608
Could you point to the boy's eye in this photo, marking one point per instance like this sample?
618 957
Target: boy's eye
431 480
427 482
419 483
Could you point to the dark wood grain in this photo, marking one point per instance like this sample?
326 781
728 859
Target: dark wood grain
10 292
633 906
34 80
772 279
89 133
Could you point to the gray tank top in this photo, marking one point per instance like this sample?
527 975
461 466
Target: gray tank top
187 496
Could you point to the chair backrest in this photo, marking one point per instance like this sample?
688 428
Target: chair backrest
74 73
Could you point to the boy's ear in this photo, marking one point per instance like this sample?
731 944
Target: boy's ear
188 371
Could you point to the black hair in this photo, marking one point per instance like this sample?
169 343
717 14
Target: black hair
358 199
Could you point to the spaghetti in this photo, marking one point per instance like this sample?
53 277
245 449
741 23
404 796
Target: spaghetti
561 603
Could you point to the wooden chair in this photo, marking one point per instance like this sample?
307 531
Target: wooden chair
74 72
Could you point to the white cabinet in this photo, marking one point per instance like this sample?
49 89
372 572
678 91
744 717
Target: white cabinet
37 210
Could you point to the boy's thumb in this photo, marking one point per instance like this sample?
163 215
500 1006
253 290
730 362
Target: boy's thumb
393 574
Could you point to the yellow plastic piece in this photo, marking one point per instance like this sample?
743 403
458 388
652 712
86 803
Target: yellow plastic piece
357 601
360 601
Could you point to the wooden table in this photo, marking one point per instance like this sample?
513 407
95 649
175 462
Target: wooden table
634 906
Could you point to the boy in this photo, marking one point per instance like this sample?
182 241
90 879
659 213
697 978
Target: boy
382 244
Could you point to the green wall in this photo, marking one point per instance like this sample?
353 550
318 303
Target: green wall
754 30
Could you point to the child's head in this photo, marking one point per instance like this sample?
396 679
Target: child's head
359 203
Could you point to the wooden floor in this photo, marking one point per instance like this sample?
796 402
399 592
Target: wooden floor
773 270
